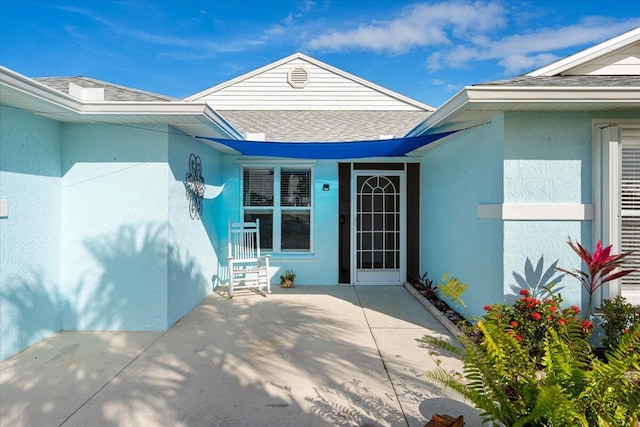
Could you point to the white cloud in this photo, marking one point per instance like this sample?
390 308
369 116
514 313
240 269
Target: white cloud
514 64
447 85
522 52
456 34
419 25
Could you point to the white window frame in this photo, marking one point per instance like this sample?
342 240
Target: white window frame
606 184
277 208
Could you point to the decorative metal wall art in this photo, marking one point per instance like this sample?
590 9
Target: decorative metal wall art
194 186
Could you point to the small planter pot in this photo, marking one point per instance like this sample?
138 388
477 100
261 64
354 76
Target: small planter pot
286 284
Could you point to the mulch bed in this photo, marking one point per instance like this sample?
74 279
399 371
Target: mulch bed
441 305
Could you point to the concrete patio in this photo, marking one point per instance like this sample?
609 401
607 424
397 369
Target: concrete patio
307 356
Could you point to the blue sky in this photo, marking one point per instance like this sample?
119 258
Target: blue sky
427 50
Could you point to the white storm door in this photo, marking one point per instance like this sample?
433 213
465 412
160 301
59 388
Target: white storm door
378 228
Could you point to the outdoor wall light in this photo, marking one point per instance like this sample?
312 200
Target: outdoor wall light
325 187
194 186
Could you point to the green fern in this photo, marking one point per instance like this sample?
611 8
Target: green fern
452 289
571 388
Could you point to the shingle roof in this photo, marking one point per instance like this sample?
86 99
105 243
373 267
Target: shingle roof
574 81
112 92
323 125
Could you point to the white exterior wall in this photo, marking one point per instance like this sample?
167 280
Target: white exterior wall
326 90
623 62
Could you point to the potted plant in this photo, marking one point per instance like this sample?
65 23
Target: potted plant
286 279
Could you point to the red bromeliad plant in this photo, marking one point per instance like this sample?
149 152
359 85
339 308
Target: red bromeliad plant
601 265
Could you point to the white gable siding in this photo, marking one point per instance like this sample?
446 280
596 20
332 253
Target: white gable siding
622 62
325 90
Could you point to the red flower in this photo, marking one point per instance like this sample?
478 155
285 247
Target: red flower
536 316
587 325
575 309
518 338
562 321
553 309
487 307
524 292
513 324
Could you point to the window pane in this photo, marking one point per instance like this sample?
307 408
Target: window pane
295 187
266 226
257 187
296 230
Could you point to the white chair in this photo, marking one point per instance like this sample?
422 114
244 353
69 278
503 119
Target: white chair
247 269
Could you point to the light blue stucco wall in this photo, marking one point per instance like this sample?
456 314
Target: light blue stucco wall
457 175
547 159
193 260
520 158
319 267
30 236
98 235
115 227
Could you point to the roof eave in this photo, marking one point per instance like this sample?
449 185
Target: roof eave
30 87
72 107
497 99
446 110
539 94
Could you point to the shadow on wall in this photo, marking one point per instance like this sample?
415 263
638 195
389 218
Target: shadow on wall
31 309
186 283
536 280
215 225
121 286
124 286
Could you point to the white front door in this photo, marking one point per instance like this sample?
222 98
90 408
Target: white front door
378 228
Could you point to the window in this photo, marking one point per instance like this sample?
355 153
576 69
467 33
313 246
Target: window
281 198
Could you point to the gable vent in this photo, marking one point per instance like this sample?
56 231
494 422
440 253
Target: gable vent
298 77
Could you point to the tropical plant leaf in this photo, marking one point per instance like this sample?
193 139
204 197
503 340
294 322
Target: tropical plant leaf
452 288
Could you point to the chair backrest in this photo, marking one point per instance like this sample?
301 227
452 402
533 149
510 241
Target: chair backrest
244 240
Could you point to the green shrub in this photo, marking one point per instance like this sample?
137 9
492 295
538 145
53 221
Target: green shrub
530 319
570 387
619 316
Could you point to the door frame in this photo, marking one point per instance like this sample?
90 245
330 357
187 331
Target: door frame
402 174
607 146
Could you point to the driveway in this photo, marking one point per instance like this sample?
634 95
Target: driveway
307 356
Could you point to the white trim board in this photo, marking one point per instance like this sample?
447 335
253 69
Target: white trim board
537 212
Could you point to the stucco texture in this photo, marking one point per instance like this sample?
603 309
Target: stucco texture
99 235
547 159
457 175
318 267
30 171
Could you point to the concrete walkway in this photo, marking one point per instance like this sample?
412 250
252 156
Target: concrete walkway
307 356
